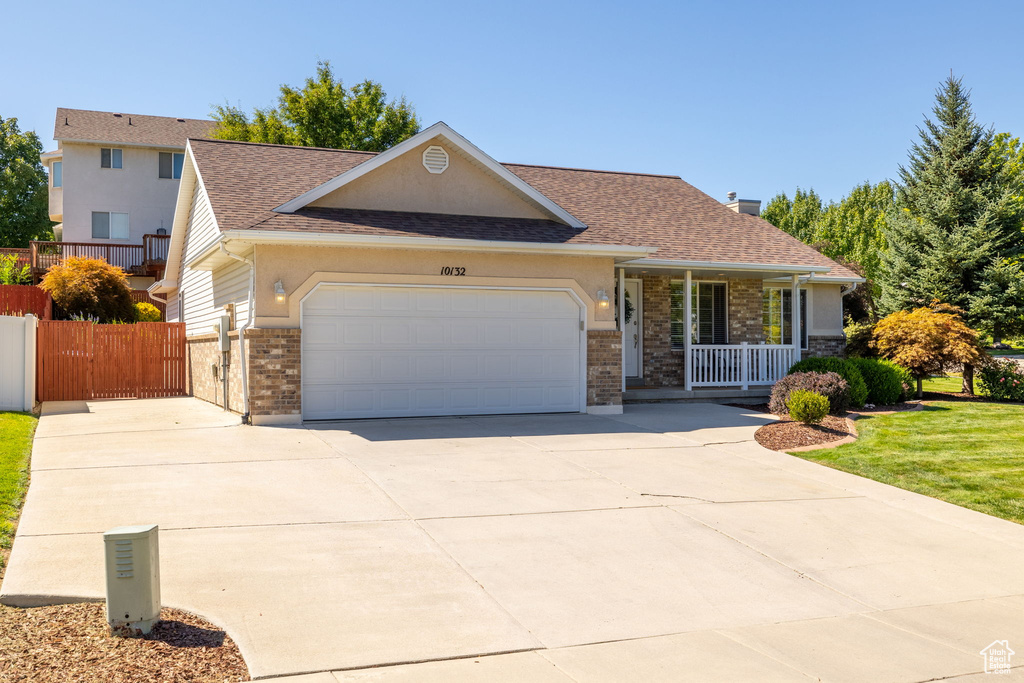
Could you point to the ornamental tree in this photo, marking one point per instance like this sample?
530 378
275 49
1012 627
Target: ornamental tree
928 339
90 288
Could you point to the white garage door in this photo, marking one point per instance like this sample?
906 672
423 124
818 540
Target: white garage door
379 351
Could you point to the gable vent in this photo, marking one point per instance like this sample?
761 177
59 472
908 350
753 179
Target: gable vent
435 159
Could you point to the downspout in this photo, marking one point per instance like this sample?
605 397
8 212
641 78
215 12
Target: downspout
243 328
849 288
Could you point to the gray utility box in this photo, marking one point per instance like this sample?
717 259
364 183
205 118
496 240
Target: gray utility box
133 578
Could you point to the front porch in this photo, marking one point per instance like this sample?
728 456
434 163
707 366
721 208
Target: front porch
719 336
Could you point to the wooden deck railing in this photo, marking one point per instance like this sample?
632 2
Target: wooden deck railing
132 258
22 257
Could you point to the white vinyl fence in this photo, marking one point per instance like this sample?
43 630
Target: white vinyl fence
17 362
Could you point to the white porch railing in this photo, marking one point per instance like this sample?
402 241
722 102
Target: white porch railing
743 365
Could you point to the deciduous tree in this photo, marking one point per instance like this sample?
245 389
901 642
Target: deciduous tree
24 198
323 113
928 339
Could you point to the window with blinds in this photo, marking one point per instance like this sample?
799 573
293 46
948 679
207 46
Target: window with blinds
777 316
709 323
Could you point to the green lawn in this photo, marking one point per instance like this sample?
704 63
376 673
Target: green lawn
16 430
951 384
970 454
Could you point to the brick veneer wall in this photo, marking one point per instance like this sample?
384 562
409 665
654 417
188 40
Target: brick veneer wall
275 373
746 302
825 346
604 368
203 351
662 365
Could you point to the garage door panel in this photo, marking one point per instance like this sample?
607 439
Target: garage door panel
377 351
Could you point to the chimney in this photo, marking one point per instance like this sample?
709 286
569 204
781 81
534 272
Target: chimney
748 206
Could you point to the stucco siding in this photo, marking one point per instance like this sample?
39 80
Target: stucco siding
403 184
135 189
300 268
826 315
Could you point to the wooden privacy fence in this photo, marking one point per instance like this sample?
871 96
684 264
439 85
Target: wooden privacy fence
22 299
80 361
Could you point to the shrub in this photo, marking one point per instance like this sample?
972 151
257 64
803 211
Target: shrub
843 368
10 274
807 407
1003 381
90 287
828 384
887 382
147 313
858 340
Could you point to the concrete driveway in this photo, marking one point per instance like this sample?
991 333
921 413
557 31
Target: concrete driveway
662 544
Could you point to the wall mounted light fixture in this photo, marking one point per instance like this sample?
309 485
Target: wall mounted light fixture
279 295
602 299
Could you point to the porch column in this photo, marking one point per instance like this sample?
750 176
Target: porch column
620 320
795 304
687 332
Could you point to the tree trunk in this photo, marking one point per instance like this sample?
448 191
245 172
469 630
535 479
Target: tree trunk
968 387
920 387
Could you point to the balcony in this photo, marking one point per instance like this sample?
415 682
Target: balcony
144 260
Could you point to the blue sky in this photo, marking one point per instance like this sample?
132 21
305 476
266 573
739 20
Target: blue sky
755 97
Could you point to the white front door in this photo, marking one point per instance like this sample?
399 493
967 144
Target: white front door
396 351
633 327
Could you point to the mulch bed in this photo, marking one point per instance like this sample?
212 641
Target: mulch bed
72 644
786 434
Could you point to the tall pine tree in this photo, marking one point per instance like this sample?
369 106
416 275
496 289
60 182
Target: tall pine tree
955 232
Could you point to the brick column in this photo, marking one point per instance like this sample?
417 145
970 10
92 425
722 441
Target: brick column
604 370
825 346
275 375
746 309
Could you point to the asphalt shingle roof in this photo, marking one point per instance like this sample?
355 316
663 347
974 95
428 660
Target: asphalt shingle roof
128 129
246 181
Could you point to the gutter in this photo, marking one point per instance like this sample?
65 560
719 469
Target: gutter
437 243
241 330
718 265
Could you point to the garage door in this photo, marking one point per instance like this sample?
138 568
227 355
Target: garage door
379 351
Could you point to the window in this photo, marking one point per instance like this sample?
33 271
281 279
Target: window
57 174
709 309
170 165
110 158
777 316
109 225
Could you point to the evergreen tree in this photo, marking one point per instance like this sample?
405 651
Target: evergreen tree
955 229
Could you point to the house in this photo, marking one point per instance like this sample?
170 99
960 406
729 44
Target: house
432 280
113 185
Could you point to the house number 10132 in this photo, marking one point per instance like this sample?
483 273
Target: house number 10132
453 270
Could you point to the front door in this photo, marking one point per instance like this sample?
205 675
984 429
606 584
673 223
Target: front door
632 325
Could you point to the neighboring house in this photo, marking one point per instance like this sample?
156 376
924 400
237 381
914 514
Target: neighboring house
431 280
113 185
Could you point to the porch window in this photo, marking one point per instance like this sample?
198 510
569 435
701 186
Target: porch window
709 306
777 316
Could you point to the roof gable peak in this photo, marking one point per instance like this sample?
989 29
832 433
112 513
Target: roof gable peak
445 133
